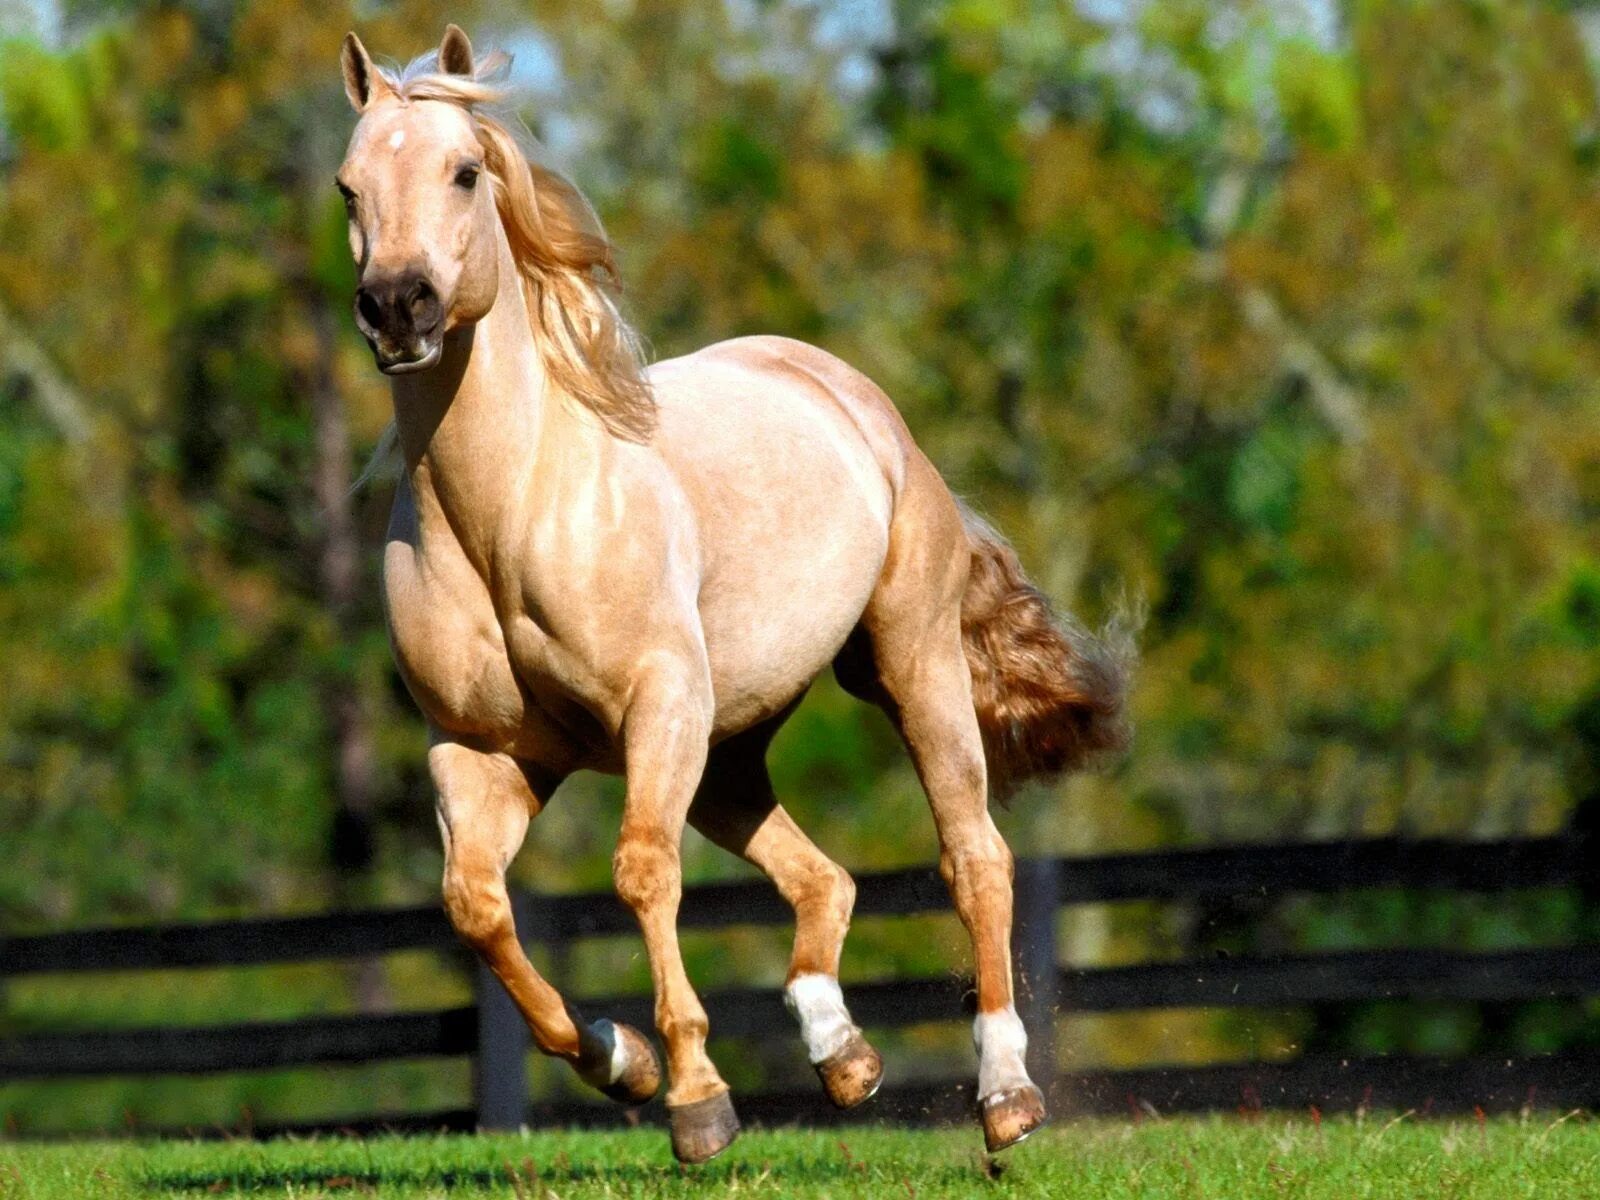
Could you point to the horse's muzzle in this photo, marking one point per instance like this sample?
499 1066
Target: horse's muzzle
402 319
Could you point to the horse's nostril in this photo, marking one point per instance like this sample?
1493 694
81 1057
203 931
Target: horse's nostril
423 302
369 309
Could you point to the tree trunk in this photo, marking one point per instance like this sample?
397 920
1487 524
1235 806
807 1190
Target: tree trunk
352 849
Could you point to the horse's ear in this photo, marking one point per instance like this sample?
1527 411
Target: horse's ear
363 82
455 52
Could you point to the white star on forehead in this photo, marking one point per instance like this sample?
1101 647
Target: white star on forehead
397 139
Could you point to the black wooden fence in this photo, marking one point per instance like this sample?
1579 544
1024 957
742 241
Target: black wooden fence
491 1031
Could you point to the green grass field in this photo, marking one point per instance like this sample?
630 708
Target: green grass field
1397 1159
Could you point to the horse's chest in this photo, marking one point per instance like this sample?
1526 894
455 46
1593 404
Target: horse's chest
474 675
448 644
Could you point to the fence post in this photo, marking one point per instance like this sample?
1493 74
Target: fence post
500 1070
1033 949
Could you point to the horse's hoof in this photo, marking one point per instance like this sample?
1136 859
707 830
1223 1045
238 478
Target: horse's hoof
1010 1116
623 1065
704 1129
851 1075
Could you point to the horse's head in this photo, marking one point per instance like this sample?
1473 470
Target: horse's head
423 227
437 188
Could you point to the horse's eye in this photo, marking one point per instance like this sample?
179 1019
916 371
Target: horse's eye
347 195
467 177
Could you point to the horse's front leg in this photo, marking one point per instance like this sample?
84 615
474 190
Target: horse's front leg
665 735
485 803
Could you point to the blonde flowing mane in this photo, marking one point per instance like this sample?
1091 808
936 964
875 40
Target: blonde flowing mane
567 266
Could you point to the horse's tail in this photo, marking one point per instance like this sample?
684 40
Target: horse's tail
1051 696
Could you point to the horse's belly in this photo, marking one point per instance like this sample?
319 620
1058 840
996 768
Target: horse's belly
774 629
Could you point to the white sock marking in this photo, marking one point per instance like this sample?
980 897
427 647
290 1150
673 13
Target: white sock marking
1002 1045
818 1005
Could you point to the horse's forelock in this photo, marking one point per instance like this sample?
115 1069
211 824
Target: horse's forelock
421 79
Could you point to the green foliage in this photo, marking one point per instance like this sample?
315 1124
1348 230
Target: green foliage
1319 95
44 104
735 166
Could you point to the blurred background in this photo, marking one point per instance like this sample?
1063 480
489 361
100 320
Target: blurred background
1276 317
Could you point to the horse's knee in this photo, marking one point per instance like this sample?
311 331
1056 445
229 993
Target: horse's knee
477 905
645 870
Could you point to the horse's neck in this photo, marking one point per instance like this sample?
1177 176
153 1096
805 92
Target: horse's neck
470 427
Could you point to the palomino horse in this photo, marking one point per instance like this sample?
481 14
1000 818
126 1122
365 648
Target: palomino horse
593 565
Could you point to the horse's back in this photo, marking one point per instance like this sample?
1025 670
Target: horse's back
793 463
769 387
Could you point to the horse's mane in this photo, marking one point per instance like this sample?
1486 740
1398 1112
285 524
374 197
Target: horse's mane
568 270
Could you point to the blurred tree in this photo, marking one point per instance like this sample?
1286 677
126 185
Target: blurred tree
174 243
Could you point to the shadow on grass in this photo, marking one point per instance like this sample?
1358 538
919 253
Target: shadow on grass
269 1179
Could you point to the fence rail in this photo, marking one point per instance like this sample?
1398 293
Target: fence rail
492 1032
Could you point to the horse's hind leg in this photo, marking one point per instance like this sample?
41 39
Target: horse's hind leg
485 803
737 810
937 721
913 628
